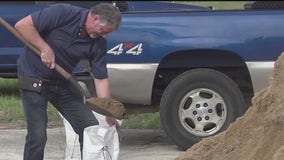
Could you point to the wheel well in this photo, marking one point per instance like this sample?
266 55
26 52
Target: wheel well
226 62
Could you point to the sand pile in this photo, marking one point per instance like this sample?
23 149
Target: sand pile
257 135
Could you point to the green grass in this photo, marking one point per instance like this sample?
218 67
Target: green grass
10 106
11 109
146 120
8 87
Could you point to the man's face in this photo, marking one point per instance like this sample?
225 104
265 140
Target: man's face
99 29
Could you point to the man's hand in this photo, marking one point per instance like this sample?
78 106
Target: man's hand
48 58
111 121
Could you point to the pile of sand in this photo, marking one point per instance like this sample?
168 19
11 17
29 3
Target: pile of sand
257 135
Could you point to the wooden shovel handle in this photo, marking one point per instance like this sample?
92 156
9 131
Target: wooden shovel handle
58 68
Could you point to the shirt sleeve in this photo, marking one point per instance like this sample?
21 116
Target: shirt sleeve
98 61
52 16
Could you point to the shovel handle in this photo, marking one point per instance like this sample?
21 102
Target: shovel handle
58 68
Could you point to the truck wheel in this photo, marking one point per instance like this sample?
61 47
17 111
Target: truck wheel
199 103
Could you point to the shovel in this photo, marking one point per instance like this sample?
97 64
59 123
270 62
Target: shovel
105 106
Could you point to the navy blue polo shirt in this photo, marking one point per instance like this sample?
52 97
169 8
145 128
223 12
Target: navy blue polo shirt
59 25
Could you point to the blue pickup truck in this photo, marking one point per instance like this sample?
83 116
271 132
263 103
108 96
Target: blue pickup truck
197 66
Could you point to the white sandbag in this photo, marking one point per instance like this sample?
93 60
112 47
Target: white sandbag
100 143
72 150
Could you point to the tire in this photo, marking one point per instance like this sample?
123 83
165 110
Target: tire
199 103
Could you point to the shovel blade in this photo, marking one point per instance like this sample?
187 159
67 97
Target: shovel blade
107 107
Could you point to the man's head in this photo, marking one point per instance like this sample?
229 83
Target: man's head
103 19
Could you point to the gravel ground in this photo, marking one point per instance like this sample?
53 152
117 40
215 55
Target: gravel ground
136 144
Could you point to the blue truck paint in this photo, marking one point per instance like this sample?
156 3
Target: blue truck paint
10 47
212 30
198 67
154 6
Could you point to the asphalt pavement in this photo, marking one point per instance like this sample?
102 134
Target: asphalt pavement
136 144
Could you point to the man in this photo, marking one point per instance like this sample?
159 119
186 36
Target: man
64 34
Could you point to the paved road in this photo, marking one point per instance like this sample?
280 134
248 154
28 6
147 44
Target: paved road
136 144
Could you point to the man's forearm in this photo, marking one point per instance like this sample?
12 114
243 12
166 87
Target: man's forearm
102 87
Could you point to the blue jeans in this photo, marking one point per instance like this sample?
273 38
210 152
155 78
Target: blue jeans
70 105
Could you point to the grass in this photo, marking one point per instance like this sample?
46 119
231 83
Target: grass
10 106
146 120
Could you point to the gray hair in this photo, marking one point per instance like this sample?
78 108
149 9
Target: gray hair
109 14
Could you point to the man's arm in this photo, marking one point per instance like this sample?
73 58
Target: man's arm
103 91
102 87
26 28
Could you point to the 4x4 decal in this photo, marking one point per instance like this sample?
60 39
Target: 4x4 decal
129 48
